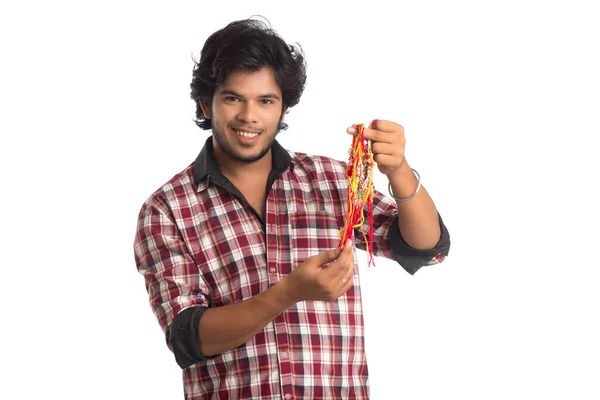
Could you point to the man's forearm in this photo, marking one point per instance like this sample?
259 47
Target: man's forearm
417 218
224 328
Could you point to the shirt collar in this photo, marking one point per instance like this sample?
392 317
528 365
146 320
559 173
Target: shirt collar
206 165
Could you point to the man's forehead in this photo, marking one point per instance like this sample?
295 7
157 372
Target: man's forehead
259 83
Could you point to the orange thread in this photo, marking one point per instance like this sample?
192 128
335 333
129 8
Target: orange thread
359 174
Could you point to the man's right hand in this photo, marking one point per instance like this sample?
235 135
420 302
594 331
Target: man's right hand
224 328
310 281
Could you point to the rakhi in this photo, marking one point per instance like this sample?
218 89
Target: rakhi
359 174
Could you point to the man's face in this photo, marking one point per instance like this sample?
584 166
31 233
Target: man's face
246 112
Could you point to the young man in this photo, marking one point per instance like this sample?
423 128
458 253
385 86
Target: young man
239 251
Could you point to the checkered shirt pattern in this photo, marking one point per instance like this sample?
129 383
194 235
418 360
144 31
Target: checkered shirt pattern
199 245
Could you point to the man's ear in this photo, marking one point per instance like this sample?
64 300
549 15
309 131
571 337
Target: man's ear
205 106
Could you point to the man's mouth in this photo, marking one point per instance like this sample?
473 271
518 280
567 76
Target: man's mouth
246 134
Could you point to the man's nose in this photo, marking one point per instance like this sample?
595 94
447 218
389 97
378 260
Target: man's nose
248 113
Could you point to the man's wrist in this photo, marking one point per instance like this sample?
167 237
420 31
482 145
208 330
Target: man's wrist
403 181
283 295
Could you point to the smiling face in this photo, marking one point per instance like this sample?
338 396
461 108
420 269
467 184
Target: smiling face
245 112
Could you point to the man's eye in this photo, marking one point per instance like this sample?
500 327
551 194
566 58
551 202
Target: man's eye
231 98
266 101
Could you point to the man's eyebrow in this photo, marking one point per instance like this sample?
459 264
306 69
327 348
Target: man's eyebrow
228 92
269 96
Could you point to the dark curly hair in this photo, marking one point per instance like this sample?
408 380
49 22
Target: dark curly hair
250 45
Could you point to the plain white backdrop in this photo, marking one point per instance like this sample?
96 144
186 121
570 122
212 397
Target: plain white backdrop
500 102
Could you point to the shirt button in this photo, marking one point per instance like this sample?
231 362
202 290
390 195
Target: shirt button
288 396
284 354
272 270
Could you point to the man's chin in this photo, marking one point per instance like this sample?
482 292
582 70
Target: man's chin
253 158
247 158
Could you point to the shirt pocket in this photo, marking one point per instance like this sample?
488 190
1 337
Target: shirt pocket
313 232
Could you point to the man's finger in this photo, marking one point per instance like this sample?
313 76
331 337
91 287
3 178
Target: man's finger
333 254
387 126
349 274
326 257
378 136
384 148
385 160
338 269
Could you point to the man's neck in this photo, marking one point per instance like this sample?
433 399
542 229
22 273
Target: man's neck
235 170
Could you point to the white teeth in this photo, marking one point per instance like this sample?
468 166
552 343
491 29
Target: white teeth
247 134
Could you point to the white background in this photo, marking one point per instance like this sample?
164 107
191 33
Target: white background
500 103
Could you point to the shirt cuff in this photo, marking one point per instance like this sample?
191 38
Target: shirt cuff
412 259
184 338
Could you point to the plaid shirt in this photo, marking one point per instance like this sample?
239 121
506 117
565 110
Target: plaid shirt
200 244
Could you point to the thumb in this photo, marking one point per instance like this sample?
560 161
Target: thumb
326 257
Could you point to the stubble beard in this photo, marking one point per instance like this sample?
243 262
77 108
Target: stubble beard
228 149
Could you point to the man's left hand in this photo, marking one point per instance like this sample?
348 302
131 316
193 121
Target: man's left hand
388 145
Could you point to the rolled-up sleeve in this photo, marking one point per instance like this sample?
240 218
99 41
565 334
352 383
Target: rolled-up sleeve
171 276
388 242
412 259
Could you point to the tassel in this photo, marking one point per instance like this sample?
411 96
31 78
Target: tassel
359 174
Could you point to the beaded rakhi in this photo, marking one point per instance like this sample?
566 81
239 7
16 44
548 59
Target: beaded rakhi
359 174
